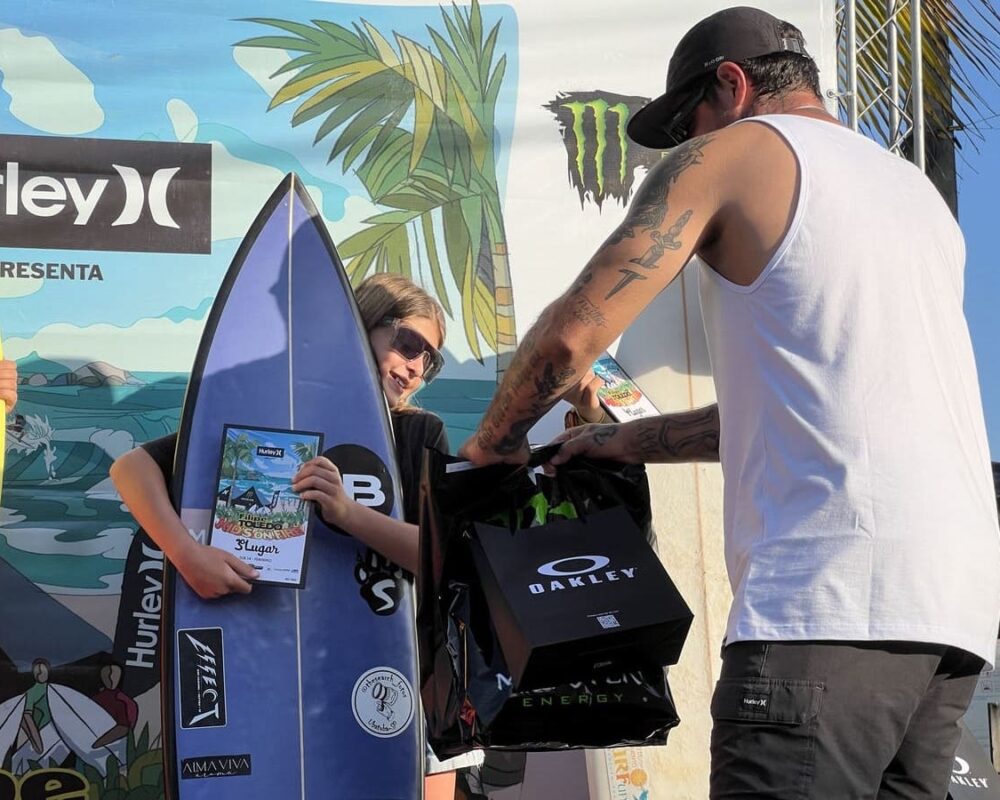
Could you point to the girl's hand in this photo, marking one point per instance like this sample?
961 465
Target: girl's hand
319 480
8 383
584 398
212 572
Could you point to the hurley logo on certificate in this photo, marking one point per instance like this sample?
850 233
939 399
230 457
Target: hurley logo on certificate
257 516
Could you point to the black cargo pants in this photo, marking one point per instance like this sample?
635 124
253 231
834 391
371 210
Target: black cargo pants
838 720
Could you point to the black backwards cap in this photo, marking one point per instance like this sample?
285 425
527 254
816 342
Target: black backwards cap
734 34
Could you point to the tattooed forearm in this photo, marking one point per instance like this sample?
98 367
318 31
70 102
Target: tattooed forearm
516 407
536 379
552 381
587 313
689 436
513 440
581 282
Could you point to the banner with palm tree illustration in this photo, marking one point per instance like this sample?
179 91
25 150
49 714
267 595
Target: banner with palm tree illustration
416 122
436 138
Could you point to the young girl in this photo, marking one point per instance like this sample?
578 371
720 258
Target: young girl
406 329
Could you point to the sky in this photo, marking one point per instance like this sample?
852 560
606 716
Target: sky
978 188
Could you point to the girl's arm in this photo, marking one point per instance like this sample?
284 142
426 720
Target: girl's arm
8 384
209 571
319 480
586 404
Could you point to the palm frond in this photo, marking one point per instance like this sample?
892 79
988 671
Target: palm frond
961 44
416 123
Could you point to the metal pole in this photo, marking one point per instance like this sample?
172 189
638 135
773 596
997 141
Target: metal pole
917 90
893 65
852 65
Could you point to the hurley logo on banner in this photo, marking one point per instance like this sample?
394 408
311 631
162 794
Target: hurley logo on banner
105 194
202 678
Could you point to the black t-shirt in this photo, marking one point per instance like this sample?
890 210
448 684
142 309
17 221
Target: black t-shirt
413 431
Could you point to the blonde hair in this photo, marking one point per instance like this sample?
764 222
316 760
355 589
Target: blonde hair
388 295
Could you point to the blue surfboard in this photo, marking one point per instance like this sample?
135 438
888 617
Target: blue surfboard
289 693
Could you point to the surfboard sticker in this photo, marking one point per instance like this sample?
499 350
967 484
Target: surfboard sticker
284 348
227 766
201 678
383 702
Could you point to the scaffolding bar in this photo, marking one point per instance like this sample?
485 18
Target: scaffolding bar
852 65
881 79
917 91
893 70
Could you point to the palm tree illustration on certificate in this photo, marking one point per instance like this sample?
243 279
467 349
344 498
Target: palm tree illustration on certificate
437 181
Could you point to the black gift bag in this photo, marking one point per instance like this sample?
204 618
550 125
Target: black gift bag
588 654
577 596
972 774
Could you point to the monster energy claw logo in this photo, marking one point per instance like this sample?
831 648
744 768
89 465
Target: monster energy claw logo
602 163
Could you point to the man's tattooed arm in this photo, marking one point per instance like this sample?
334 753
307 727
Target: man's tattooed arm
674 438
646 252
532 384
649 207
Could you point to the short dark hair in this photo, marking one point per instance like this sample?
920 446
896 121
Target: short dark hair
777 74
773 75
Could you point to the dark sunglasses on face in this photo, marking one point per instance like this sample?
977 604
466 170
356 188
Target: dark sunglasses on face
411 345
680 127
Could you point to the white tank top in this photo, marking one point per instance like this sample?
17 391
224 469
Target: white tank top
859 499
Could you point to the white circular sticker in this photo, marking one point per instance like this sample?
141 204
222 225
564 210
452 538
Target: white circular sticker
383 702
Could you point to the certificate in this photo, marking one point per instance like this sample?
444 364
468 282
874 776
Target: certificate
619 394
257 516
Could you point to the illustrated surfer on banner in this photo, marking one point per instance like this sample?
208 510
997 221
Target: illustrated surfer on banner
51 721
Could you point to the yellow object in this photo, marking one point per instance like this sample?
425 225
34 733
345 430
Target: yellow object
3 434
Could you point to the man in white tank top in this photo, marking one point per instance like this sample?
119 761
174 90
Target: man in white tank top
861 532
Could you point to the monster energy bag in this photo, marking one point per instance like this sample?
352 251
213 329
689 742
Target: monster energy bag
495 539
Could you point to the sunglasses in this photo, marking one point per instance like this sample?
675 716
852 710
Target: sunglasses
679 129
411 346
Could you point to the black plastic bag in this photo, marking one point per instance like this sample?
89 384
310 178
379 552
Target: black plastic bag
468 695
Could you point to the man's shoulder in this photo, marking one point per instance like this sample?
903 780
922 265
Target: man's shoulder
715 154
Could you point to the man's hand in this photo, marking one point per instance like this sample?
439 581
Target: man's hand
595 441
213 573
8 384
319 480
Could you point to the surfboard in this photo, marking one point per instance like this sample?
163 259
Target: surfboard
288 693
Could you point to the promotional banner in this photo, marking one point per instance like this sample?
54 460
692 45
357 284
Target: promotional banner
478 149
